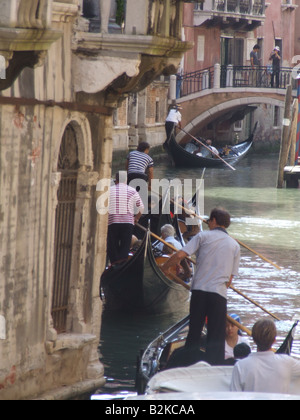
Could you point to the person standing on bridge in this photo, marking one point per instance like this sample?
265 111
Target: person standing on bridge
275 57
255 63
173 120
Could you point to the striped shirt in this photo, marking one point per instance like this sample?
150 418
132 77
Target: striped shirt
124 204
139 162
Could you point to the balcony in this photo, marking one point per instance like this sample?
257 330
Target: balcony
25 34
288 5
125 47
235 14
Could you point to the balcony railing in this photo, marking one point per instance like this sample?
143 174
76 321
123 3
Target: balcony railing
243 7
152 17
235 77
238 14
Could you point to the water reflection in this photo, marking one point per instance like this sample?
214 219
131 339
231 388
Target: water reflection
264 218
122 338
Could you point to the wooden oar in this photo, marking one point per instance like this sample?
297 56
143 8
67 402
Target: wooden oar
259 255
262 257
211 151
254 303
179 281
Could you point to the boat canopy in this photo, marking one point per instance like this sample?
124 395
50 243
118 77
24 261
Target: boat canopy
199 378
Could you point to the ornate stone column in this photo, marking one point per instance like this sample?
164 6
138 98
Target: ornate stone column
98 12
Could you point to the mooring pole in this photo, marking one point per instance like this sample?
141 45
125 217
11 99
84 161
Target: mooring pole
284 149
293 133
298 127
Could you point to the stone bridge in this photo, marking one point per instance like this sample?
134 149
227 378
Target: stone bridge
213 94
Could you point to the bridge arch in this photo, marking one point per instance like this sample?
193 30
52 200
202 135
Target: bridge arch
203 108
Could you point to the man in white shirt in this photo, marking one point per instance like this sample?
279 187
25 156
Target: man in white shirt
265 371
218 258
173 120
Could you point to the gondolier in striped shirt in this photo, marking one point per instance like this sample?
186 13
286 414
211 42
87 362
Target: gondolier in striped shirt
125 209
139 164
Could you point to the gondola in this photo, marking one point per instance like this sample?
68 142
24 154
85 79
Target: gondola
139 285
184 158
167 349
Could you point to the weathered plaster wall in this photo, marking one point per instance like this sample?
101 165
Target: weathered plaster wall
33 357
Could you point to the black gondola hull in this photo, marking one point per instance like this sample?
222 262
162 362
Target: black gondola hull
139 286
183 158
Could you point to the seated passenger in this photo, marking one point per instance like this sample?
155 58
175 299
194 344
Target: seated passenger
168 235
212 148
198 151
265 371
189 225
135 244
233 337
241 351
183 271
191 147
195 147
226 151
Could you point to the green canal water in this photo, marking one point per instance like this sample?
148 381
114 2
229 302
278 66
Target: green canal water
264 218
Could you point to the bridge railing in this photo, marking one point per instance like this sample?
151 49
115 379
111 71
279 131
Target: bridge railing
257 77
235 77
197 81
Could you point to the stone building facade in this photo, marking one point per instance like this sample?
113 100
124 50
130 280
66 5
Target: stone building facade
64 84
142 116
